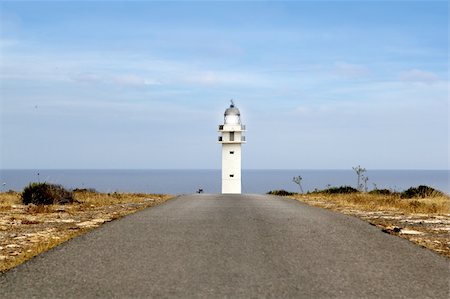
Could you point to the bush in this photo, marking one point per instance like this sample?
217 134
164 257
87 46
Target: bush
280 193
421 192
382 192
340 190
46 194
84 190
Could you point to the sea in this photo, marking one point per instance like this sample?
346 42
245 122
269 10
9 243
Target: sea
189 181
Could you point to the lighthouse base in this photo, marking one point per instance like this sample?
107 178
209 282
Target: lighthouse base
231 187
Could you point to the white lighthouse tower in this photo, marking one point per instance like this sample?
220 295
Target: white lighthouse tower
231 139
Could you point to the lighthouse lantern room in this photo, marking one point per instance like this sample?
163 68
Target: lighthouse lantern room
231 139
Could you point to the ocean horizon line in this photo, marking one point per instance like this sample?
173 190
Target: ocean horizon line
188 180
244 169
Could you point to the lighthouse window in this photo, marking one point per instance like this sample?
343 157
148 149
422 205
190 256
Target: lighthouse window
231 152
231 136
231 175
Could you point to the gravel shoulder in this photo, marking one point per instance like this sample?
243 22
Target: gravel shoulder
430 231
28 230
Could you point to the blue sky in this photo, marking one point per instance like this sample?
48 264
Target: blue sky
140 84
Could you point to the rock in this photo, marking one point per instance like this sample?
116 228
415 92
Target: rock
99 220
405 231
394 229
12 246
91 223
3 257
67 220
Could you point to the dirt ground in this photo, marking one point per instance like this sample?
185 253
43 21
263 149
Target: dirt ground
27 230
431 231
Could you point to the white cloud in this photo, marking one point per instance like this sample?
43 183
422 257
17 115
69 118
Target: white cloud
206 78
416 75
87 78
349 70
94 68
126 80
223 78
134 80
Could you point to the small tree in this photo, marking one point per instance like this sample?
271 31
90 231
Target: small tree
298 181
359 172
365 179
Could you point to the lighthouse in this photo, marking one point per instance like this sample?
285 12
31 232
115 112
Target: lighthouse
231 139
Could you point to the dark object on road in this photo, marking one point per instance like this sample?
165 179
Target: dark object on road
421 192
46 194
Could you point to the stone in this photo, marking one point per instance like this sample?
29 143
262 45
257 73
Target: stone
91 223
12 246
394 229
67 220
405 231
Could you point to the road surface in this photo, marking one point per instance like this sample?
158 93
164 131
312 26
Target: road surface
217 246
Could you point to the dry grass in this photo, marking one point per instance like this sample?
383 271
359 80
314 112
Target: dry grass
423 221
107 199
39 209
36 249
8 199
32 229
376 202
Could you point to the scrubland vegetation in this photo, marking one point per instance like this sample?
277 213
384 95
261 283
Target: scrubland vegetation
421 199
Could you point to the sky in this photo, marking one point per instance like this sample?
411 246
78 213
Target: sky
144 84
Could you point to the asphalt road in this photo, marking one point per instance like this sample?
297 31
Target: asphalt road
216 246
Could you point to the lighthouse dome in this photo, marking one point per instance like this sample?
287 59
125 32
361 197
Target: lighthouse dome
232 111
232 115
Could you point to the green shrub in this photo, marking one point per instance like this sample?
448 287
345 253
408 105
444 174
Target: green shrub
280 192
46 194
84 190
421 192
382 192
340 190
